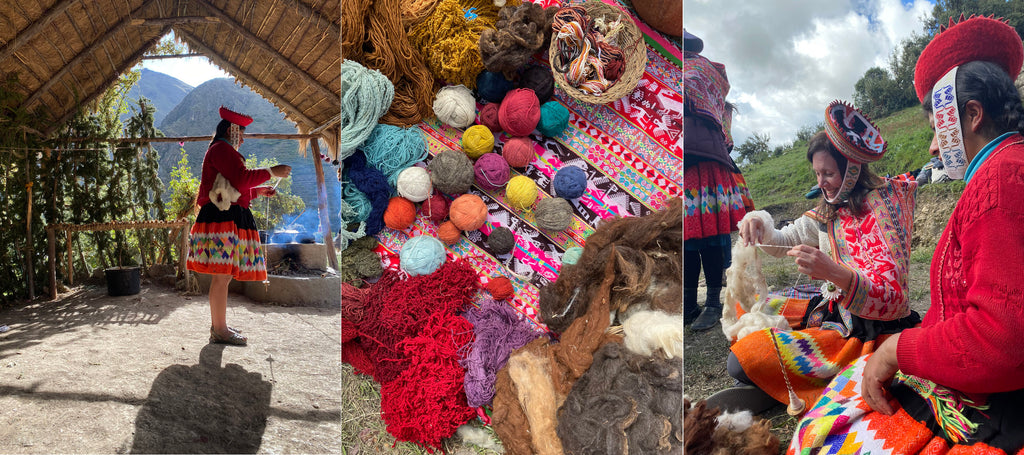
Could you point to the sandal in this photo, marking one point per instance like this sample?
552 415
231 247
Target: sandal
229 328
235 338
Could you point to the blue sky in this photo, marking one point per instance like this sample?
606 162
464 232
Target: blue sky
787 59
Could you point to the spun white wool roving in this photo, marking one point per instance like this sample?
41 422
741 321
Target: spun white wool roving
479 437
647 331
747 285
414 184
738 422
455 106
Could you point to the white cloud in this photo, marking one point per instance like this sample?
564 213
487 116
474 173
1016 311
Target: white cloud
190 70
787 59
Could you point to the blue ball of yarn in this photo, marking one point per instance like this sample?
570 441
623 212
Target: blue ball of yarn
554 118
492 86
421 255
391 149
374 185
570 182
572 255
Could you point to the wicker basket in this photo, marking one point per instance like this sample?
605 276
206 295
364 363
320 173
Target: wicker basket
630 40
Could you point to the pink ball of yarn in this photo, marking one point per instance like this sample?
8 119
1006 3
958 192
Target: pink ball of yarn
492 171
519 112
435 208
518 151
468 212
489 117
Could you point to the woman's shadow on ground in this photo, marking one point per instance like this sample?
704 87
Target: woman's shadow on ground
204 408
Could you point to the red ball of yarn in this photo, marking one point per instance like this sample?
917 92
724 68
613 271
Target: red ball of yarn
489 117
492 171
518 151
468 212
400 213
500 288
435 208
448 233
519 112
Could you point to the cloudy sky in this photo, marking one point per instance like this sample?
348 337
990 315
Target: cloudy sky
787 59
190 70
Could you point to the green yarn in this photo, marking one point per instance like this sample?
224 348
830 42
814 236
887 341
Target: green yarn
366 96
572 255
359 261
554 119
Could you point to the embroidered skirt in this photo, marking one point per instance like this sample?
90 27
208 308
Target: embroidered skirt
842 423
227 243
716 200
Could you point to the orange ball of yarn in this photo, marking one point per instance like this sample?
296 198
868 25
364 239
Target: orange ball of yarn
518 151
448 233
468 212
519 112
500 288
400 213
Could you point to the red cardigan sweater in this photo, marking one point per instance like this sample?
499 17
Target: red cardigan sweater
222 158
972 338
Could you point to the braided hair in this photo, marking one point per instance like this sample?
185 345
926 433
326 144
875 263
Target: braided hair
988 84
222 131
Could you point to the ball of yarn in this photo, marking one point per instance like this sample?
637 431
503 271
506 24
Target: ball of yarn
455 106
572 255
421 255
500 288
492 171
468 212
492 86
414 184
400 213
519 112
435 208
501 240
489 117
521 192
570 182
554 118
477 140
518 151
451 172
391 149
553 214
448 233
540 80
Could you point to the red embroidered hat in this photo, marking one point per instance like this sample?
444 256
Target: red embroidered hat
234 117
853 134
976 38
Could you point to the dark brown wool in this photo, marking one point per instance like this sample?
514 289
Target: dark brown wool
519 32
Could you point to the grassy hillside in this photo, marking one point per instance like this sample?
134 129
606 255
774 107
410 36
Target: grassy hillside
779 184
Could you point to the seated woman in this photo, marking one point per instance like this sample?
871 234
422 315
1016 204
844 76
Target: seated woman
858 239
959 378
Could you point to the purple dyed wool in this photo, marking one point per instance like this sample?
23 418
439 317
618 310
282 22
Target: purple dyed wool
499 331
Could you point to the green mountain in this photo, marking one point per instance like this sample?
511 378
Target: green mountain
165 92
197 115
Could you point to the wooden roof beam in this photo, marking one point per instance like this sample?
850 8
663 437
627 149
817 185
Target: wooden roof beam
161 21
278 100
31 31
126 65
77 60
262 45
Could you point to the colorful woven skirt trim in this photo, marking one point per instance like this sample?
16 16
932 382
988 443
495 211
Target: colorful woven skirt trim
841 423
227 242
716 200
812 356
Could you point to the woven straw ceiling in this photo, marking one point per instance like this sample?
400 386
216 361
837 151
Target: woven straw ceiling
67 52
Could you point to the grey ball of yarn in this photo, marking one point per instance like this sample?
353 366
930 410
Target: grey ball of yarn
451 172
553 214
501 240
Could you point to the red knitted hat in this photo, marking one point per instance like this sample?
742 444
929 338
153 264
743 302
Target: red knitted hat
234 117
853 133
976 38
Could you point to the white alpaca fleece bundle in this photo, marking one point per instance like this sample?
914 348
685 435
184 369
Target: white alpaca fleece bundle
745 281
738 422
479 437
761 316
647 331
223 194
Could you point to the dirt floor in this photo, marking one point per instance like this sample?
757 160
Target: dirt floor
89 373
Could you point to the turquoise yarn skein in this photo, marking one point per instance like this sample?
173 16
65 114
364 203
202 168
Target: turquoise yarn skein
366 96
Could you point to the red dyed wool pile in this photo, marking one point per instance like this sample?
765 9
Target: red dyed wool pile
426 403
351 311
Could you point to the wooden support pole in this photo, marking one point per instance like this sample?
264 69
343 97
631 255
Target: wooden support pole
323 207
29 251
183 259
51 243
71 260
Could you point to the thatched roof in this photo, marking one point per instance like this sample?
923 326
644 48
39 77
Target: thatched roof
68 52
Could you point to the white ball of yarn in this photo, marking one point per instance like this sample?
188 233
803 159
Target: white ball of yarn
455 106
414 184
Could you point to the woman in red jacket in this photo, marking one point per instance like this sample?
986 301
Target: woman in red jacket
224 240
958 379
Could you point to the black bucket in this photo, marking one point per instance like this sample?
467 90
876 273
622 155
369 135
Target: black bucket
123 280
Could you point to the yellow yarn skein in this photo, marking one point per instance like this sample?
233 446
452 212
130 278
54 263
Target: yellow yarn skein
449 39
521 192
477 140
